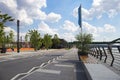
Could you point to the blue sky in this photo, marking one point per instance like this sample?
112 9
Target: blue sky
99 17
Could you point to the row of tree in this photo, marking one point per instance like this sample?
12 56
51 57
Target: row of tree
38 42
33 36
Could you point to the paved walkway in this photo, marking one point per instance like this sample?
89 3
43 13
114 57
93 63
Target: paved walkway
66 67
14 55
97 70
100 72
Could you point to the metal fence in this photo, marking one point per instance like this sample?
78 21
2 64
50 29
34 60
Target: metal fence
108 53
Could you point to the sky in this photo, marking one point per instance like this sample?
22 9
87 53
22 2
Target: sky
99 17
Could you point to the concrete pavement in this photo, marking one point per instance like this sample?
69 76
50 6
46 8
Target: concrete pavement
66 67
25 62
100 72
14 55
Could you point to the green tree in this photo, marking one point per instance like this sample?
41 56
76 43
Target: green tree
56 41
47 41
35 39
11 36
26 37
7 39
3 19
84 39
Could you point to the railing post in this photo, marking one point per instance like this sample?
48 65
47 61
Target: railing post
109 48
100 52
94 52
118 48
97 52
105 54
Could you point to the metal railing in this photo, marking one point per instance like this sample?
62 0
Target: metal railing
109 53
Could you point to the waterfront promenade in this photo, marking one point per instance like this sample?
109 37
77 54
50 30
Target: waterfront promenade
66 67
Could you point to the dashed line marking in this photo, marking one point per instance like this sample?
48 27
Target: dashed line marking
42 64
18 75
55 62
63 59
49 71
2 60
61 65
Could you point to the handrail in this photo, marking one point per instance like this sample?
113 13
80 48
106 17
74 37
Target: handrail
104 54
100 52
118 48
97 52
109 52
109 48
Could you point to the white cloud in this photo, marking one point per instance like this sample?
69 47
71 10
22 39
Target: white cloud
100 7
89 28
85 13
109 28
112 13
68 37
75 12
24 10
99 32
70 26
9 3
52 17
24 18
8 29
44 28
28 10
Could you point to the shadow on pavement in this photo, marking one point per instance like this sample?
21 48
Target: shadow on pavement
81 71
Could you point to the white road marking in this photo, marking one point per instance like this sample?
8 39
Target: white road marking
2 60
63 59
18 75
49 71
61 65
12 58
43 64
34 68
55 62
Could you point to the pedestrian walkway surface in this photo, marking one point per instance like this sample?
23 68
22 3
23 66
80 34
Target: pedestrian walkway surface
97 70
67 67
14 55
100 72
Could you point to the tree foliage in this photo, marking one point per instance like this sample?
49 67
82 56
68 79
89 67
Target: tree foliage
35 39
11 36
84 39
56 41
3 19
47 41
26 37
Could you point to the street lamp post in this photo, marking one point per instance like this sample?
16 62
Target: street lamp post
18 45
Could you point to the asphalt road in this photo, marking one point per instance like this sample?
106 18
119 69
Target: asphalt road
9 69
